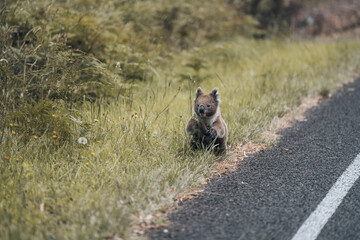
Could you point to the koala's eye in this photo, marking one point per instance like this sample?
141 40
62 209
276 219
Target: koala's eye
197 105
208 105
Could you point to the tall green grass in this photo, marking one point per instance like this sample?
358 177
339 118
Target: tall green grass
137 157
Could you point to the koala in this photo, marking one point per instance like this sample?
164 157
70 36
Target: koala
206 125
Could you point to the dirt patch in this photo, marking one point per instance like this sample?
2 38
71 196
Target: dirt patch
286 121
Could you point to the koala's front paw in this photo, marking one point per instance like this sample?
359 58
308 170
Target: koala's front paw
203 128
212 133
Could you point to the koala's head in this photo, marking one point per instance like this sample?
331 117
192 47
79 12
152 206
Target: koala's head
206 105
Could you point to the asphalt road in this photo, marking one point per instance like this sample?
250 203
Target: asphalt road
275 191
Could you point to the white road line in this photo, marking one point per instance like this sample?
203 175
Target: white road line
313 225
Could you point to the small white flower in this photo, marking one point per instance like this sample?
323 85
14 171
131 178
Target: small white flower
82 140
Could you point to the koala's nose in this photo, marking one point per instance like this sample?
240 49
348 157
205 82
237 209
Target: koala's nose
201 109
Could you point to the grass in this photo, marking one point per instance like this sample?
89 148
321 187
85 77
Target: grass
137 157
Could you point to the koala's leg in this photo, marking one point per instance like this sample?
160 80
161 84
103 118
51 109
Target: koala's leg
222 148
192 127
218 128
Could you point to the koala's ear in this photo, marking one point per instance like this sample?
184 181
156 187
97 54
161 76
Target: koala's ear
199 92
216 95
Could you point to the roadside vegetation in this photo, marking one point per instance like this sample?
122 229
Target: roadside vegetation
95 95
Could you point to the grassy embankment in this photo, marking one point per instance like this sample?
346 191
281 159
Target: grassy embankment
137 156
60 81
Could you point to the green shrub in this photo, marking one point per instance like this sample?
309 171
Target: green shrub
39 69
